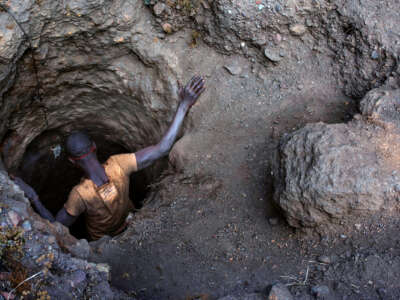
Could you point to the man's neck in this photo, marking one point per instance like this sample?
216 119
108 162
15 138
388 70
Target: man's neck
96 173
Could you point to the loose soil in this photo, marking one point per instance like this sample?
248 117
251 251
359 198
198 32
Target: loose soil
208 231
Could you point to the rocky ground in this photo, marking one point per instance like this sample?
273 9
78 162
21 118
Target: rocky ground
211 227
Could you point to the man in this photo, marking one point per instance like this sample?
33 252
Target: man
103 195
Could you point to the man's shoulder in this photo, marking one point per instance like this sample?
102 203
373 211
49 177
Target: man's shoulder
82 186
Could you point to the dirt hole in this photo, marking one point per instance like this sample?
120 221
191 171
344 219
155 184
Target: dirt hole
45 166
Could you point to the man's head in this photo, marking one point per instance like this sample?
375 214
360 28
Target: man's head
79 146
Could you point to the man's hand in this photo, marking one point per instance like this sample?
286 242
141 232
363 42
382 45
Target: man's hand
192 91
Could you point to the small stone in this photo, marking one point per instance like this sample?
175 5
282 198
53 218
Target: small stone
272 55
297 29
277 38
159 8
26 225
375 55
167 27
279 291
78 276
324 259
14 218
104 268
81 249
200 19
233 68
320 290
357 226
273 221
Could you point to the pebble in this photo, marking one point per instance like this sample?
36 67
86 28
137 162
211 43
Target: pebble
320 290
297 29
14 218
279 291
81 249
277 38
167 27
26 225
324 259
357 226
374 55
233 68
272 55
273 221
159 8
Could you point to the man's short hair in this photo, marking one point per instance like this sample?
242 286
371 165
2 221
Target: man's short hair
78 143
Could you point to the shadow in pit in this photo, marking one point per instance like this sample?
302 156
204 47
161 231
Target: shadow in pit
45 166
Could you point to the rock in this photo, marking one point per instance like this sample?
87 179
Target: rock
78 278
297 29
104 268
375 55
320 290
26 225
324 259
273 221
272 55
279 291
69 276
14 218
81 249
277 39
380 106
167 27
233 68
332 171
159 8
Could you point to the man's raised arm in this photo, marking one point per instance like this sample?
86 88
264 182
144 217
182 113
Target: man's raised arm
188 96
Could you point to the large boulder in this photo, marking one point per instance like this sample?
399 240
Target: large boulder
328 172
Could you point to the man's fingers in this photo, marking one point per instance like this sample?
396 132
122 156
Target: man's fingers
200 86
191 81
198 93
194 81
198 83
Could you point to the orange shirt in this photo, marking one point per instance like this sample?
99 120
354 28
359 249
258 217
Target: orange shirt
106 207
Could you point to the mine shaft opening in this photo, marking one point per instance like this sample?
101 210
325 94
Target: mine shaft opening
53 176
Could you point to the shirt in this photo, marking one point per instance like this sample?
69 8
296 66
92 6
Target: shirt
106 207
